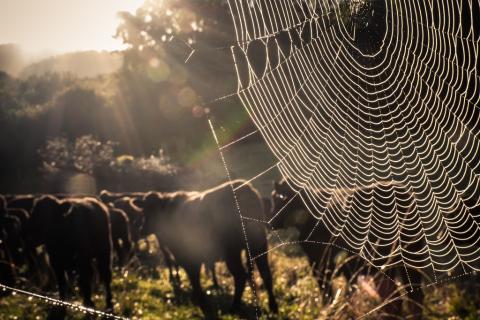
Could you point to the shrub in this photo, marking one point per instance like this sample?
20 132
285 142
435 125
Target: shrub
63 159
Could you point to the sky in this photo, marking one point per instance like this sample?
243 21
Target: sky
62 25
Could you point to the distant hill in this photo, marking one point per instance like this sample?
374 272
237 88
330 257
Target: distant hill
12 59
81 64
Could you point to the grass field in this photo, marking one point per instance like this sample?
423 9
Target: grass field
140 296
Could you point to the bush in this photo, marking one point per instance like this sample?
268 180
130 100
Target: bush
63 160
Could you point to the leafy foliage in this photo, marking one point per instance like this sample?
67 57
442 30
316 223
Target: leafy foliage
85 155
62 159
156 101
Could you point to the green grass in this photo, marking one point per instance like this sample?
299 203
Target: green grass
141 297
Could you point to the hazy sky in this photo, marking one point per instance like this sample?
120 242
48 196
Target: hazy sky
62 25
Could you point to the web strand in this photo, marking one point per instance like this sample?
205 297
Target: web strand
341 115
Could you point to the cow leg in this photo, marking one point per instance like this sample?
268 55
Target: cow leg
320 265
33 269
119 252
415 295
214 275
264 269
235 266
415 303
174 279
14 241
86 277
193 272
58 267
104 263
7 275
177 273
322 275
390 295
45 269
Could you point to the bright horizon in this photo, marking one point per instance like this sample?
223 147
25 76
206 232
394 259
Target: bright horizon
59 26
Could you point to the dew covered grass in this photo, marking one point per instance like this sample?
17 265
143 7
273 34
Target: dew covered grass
138 295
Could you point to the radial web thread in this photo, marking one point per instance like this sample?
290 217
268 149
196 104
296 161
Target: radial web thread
355 93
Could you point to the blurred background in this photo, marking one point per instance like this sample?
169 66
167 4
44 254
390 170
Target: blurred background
116 95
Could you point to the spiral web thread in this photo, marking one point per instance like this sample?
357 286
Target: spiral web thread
404 118
380 141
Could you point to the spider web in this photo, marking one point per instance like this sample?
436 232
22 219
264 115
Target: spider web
371 109
350 94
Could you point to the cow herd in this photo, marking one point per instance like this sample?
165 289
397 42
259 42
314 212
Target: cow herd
84 235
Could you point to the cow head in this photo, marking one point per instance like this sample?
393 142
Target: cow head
154 206
47 213
287 208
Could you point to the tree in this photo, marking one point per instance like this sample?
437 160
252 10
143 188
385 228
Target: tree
76 112
163 35
179 57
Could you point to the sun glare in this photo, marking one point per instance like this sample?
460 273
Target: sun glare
61 26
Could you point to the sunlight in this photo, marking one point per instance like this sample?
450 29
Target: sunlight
239 159
62 26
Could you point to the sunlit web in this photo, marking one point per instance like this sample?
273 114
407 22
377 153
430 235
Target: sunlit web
351 93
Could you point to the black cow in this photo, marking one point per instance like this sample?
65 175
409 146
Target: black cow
204 227
108 196
24 202
321 247
121 237
10 233
75 232
133 212
20 255
135 215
